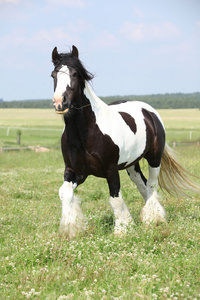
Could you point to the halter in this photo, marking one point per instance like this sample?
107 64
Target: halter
81 106
66 110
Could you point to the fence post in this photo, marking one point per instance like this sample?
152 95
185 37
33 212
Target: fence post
174 144
18 136
190 135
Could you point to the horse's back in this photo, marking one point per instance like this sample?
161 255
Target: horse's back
133 108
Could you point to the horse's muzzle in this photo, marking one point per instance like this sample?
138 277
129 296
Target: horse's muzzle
60 107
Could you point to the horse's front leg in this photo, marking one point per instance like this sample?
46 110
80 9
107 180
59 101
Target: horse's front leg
122 215
72 219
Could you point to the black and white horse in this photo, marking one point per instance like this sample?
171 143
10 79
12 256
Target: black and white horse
100 139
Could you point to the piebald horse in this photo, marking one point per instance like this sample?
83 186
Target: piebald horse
100 139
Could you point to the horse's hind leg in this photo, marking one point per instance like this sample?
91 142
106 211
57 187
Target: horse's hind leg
122 215
152 212
138 178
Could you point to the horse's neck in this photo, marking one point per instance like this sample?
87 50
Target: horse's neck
77 125
76 128
95 101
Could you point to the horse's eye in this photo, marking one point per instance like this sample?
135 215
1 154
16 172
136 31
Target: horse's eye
74 74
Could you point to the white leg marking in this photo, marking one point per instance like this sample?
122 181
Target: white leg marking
72 219
121 213
136 178
153 212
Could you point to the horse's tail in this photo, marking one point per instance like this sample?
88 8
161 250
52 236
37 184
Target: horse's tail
173 177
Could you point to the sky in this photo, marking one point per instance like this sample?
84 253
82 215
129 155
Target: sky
134 47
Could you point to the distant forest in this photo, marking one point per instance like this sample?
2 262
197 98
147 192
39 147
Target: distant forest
160 101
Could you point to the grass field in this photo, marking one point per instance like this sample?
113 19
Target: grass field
37 126
44 127
161 262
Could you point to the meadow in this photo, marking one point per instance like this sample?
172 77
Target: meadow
158 262
44 127
37 126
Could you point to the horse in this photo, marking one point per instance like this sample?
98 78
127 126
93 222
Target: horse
100 140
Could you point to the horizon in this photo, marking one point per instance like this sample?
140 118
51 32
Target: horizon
111 96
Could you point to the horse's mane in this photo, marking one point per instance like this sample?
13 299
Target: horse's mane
75 63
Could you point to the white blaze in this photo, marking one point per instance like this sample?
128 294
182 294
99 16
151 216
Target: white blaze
63 80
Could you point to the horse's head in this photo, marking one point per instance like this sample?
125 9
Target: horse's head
69 80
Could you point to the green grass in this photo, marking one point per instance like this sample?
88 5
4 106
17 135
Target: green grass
181 119
38 127
30 137
156 263
43 118
43 126
182 125
160 262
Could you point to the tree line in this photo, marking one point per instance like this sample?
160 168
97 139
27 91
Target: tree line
163 101
160 101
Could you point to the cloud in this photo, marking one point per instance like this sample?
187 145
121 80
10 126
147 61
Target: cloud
14 39
138 13
54 34
198 25
79 26
106 40
39 40
175 50
10 1
141 32
68 3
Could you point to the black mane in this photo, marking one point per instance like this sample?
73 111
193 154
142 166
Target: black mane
75 63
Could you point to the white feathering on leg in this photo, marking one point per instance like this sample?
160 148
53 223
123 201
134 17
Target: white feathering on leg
153 212
72 219
122 215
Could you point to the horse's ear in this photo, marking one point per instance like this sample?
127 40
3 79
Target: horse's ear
74 51
55 56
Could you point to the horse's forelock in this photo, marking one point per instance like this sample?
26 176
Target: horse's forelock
75 63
